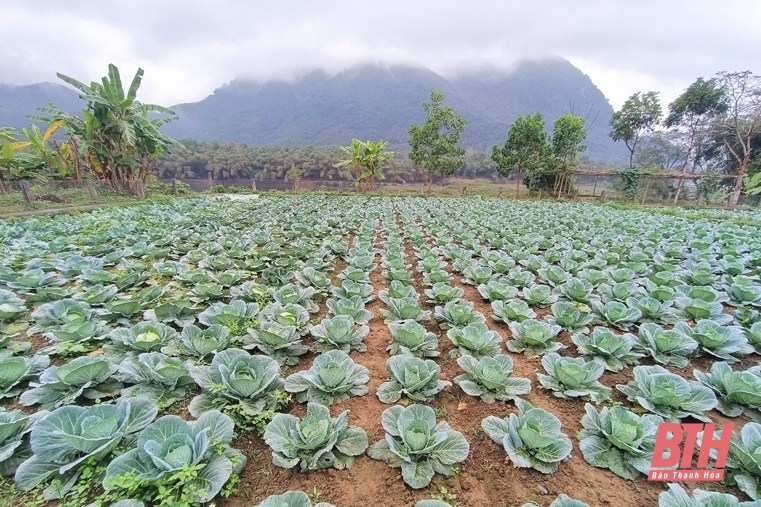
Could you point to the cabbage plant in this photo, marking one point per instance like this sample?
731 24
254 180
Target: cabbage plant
533 337
614 351
753 334
619 440
668 347
412 338
339 333
573 377
497 290
510 310
562 500
616 314
406 308
397 290
160 378
171 445
288 315
568 317
349 288
311 277
15 427
282 343
236 378
70 435
16 372
417 444
144 336
317 441
297 295
654 310
477 275
532 437
291 499
697 309
55 315
620 291
490 378
415 378
442 293
724 342
199 344
734 390
178 312
333 378
539 295
668 395
32 280
89 377
457 314
743 467
11 306
237 316
475 340
354 306
676 496
577 289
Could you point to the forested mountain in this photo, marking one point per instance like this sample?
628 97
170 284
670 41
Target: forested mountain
367 102
372 102
16 102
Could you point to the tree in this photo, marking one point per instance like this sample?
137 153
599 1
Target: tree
637 117
568 134
528 150
434 145
692 114
115 135
366 158
741 122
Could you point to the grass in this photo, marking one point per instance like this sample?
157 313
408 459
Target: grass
73 197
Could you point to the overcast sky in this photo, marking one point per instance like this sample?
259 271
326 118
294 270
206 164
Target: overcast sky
190 47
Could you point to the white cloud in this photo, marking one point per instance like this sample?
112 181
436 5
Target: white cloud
190 47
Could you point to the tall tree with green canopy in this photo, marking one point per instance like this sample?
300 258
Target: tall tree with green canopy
638 116
741 122
434 145
568 134
114 135
528 150
692 113
366 157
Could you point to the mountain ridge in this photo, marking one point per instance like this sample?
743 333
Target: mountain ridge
369 102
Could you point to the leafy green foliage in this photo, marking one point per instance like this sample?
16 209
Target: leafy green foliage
415 378
490 378
317 441
532 438
573 377
333 378
619 440
417 444
195 456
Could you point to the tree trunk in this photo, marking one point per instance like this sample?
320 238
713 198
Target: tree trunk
518 186
679 187
430 182
738 185
175 192
253 185
647 186
594 190
93 190
27 193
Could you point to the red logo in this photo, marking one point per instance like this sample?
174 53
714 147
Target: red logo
669 438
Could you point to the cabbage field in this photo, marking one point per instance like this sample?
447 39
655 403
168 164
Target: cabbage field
348 351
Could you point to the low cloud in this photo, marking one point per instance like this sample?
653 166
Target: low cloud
190 47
